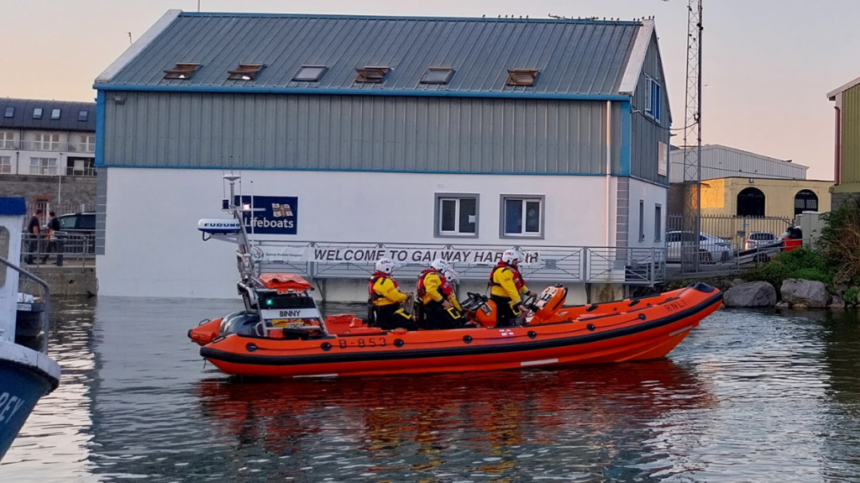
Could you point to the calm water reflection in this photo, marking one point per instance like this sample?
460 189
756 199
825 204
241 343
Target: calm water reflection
749 396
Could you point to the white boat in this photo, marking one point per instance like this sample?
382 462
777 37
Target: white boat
26 372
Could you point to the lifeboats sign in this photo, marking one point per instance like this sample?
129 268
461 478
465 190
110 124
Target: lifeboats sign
400 255
277 215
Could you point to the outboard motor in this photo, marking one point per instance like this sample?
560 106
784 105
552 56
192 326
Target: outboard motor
242 323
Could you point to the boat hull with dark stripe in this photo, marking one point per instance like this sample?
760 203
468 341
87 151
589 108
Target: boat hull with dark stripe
648 329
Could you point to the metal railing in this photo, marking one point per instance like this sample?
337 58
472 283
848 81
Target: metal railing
559 264
45 296
61 249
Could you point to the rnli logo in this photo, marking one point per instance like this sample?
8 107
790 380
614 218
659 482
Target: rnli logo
506 332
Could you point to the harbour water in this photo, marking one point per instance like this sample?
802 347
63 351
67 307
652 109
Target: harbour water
748 396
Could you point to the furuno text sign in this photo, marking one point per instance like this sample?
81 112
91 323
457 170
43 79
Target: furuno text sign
272 215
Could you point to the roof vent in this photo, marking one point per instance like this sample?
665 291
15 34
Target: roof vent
245 72
372 74
310 73
522 77
181 71
437 75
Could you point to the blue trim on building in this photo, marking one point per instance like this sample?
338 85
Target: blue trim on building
394 17
12 206
100 129
347 92
626 137
349 170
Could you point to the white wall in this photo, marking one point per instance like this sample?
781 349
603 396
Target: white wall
652 195
153 248
9 289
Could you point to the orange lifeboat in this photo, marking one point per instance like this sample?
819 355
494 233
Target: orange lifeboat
271 340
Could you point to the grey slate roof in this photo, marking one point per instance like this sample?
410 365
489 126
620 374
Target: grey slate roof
68 121
572 56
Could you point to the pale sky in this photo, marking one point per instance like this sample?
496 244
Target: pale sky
768 64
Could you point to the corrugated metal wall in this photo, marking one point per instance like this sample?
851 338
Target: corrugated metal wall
850 158
723 162
646 132
101 210
355 133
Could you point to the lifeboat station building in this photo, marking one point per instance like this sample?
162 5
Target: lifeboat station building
355 136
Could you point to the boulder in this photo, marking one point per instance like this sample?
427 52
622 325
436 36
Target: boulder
783 305
737 281
812 294
800 306
836 303
753 294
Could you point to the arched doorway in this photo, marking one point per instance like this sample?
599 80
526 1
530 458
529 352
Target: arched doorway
751 202
805 200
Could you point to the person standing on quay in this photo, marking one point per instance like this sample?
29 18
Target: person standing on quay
33 234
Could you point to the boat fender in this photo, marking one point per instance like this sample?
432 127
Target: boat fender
398 342
325 346
532 334
251 347
590 327
467 339
641 316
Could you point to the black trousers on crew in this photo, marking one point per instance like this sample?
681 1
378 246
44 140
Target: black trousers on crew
504 313
437 317
389 317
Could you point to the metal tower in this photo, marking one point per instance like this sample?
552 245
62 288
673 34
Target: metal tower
693 133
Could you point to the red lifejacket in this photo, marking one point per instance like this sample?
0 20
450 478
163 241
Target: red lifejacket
373 296
445 287
518 279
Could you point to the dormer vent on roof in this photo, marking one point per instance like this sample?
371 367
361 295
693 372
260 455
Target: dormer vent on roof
245 72
371 74
181 71
521 77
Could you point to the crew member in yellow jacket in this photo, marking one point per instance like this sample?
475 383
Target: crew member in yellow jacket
385 300
507 287
441 310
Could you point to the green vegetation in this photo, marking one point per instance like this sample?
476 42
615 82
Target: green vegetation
840 241
802 263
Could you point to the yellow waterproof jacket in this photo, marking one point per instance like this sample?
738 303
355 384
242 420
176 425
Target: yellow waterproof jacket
504 284
387 292
433 291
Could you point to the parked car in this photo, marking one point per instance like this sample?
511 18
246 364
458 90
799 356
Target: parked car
759 238
711 248
78 231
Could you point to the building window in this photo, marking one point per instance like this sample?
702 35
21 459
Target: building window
805 200
641 220
83 115
10 111
7 139
80 167
437 75
37 113
658 222
652 98
88 143
522 216
6 164
46 142
55 114
310 73
456 215
46 166
751 202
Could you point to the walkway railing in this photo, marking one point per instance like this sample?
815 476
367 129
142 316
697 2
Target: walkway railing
562 264
64 248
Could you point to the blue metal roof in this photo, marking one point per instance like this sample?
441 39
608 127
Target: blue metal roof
12 206
573 57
